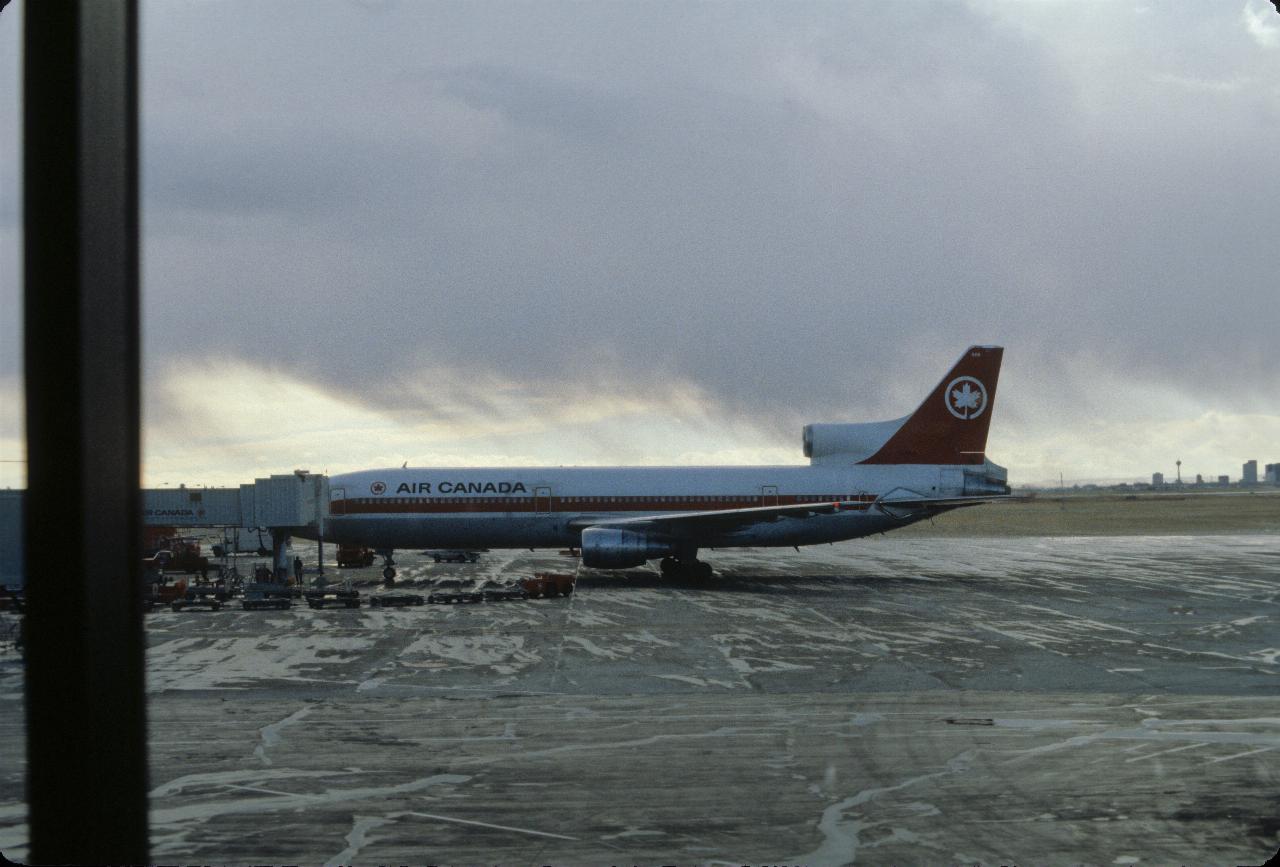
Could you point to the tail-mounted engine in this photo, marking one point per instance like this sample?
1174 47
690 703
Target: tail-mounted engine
845 444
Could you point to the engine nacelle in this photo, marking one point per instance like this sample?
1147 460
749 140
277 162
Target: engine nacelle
846 443
608 548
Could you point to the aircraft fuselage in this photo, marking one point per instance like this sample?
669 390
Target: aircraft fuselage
523 507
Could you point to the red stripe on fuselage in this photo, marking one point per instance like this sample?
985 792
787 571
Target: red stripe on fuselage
503 505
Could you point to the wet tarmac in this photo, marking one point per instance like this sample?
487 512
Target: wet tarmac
1030 700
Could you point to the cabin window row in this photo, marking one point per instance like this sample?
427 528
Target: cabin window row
749 498
602 499
410 500
695 499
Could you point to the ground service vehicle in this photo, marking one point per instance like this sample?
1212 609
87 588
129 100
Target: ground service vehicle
271 590
174 553
548 584
504 594
396 600
322 598
157 592
448 597
255 600
200 596
355 556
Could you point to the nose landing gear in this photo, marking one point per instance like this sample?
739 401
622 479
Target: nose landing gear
388 569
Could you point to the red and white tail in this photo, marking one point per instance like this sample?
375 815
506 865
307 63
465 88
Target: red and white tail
950 427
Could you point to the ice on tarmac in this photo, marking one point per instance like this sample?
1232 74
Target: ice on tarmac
1041 700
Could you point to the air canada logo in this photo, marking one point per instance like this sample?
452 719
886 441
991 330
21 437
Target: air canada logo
378 488
966 397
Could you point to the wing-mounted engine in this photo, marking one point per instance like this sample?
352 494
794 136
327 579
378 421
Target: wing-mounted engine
847 443
609 548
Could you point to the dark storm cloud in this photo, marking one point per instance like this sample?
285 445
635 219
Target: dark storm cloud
811 208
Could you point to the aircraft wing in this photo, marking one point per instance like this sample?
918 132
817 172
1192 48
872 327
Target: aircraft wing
913 503
728 520
717 520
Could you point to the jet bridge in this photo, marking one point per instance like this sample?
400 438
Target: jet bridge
296 504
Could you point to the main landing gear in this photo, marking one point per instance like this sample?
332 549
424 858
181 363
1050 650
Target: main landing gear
388 569
673 567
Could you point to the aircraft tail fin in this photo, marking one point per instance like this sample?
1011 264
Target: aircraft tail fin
950 427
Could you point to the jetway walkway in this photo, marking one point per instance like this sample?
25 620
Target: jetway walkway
297 503
294 504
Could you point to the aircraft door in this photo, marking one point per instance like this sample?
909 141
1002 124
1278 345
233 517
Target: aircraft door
769 495
337 501
542 500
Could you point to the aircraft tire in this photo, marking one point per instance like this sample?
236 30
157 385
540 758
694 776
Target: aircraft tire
669 566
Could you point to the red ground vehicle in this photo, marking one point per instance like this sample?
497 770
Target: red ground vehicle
548 584
159 593
184 551
354 556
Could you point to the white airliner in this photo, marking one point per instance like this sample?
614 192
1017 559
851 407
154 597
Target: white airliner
861 479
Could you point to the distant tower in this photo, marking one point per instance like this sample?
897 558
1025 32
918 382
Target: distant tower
1179 470
1250 473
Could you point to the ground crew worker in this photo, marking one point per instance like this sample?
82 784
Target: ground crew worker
297 569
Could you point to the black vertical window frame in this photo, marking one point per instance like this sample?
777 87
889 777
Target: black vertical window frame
86 712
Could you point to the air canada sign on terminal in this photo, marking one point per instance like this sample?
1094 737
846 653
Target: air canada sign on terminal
454 488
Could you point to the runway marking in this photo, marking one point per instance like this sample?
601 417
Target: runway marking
489 825
269 791
1174 750
1239 755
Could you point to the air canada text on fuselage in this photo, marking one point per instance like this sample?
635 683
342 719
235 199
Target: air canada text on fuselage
461 488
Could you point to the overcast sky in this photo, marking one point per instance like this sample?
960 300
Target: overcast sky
475 233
